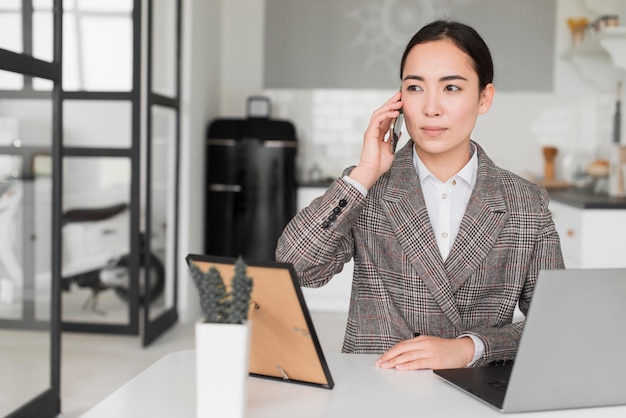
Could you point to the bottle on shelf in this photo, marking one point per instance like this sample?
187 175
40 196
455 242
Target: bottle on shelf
618 154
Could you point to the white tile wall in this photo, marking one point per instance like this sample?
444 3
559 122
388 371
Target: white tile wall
330 125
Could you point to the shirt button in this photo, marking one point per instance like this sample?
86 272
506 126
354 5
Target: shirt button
444 196
454 182
343 203
445 235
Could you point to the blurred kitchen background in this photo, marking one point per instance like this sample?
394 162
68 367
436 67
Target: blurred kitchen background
324 66
328 66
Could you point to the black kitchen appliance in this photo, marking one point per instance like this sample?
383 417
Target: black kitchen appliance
250 186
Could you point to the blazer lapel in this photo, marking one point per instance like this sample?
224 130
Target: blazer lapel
404 205
484 219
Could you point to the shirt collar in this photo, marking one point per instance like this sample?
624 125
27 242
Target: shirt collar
467 173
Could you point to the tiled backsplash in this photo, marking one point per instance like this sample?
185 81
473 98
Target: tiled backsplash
331 123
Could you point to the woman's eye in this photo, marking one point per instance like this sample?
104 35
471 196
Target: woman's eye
414 88
452 88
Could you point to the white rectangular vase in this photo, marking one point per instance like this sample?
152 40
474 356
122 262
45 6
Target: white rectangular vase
222 360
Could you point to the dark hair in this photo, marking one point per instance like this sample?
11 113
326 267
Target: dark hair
464 37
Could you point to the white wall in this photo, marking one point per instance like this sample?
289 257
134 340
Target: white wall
241 57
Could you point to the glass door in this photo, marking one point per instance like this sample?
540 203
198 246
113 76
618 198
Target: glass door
101 166
30 114
120 156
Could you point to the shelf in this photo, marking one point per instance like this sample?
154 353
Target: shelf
599 56
608 44
613 40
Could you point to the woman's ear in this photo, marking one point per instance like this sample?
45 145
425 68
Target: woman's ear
486 98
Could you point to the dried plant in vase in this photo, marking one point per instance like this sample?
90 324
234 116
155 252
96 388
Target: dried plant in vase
222 342
217 303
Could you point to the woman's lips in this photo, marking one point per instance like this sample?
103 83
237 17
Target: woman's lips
433 130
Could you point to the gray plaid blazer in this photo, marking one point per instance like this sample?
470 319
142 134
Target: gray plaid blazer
401 285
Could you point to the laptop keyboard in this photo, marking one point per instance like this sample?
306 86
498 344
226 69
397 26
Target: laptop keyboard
501 385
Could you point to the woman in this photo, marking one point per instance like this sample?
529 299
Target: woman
445 243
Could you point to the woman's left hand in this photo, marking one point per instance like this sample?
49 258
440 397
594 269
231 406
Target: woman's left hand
426 352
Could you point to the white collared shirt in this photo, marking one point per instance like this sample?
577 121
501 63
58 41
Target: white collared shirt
446 201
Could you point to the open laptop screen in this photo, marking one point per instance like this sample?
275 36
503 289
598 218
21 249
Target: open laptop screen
571 354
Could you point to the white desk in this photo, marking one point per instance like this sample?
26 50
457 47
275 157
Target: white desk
167 389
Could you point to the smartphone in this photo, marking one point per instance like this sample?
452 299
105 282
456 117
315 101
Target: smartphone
394 131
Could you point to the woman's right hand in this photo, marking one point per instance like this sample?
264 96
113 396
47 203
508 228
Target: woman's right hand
376 155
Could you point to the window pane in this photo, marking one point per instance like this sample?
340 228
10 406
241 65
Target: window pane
8 136
42 84
72 75
93 264
41 204
12 226
43 35
107 60
164 48
108 184
163 188
43 4
11 26
97 51
97 123
11 81
27 122
25 250
11 5
104 6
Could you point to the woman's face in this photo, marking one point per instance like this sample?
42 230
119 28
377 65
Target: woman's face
442 99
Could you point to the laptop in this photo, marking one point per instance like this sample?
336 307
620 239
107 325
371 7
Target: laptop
284 345
571 354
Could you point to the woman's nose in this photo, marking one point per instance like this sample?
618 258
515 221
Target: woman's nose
432 105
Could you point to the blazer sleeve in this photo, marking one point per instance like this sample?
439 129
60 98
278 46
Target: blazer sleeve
501 343
318 240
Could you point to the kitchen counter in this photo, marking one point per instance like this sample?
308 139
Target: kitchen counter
586 200
570 196
587 225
